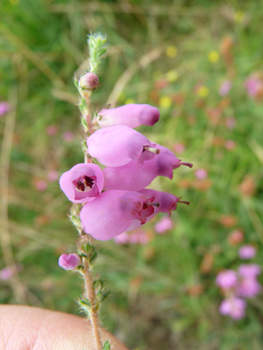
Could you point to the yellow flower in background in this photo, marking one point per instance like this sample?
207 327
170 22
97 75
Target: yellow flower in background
171 51
157 75
171 76
14 2
239 16
213 56
165 102
203 91
129 100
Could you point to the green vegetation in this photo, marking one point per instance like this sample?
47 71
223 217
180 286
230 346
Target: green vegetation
174 55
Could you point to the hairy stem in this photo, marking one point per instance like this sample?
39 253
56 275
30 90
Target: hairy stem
90 295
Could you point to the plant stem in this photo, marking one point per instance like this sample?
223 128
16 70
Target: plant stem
90 295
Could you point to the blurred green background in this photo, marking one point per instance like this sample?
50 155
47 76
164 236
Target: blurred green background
174 55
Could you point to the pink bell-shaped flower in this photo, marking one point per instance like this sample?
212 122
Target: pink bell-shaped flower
132 115
82 183
130 177
118 145
166 202
113 212
227 279
161 201
233 307
69 261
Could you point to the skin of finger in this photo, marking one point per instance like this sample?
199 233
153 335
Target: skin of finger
31 328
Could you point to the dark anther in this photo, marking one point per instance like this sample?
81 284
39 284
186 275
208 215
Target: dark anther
80 185
89 181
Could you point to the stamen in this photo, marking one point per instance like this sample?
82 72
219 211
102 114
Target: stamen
184 202
84 183
80 185
187 164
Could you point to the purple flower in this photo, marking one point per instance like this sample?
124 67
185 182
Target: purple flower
123 238
165 224
52 175
130 177
138 237
4 108
69 261
6 273
227 279
253 85
68 136
201 174
162 202
114 212
89 81
247 252
166 202
249 270
225 87
132 115
82 183
248 287
118 145
234 307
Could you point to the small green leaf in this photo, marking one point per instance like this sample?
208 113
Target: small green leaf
106 345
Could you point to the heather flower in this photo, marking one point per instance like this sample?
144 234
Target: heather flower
247 252
201 174
138 237
225 88
227 279
234 307
230 123
69 261
130 177
165 202
52 130
248 287
249 270
114 212
230 144
131 115
68 136
123 238
52 175
89 81
82 183
118 145
4 108
253 85
235 237
179 148
41 185
164 225
6 273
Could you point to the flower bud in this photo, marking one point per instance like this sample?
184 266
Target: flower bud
132 115
69 261
89 81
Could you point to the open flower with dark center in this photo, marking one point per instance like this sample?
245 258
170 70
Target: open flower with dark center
82 183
